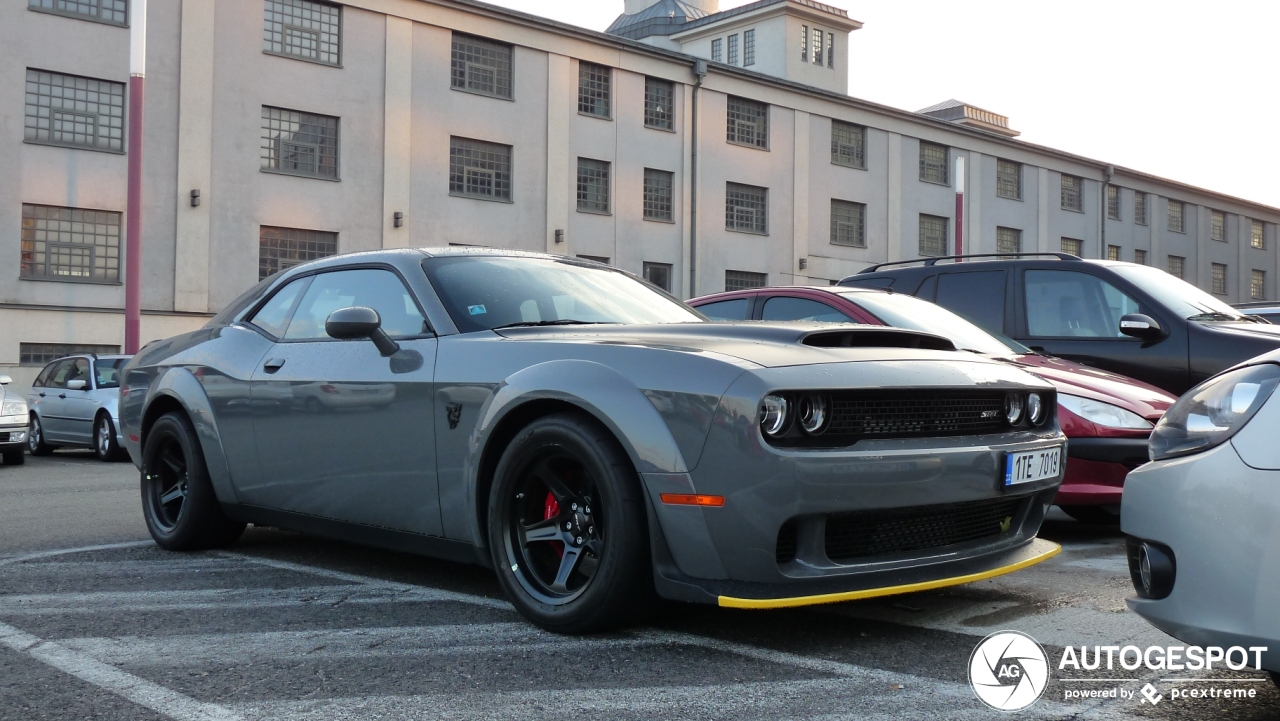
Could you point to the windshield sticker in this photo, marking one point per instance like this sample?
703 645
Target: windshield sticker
476 310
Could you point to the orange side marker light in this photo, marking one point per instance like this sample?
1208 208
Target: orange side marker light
689 499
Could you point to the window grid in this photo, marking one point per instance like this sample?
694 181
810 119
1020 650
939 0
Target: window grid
659 274
1218 278
746 208
1009 179
1113 202
1113 252
1176 265
817 47
804 42
748 123
1008 240
1072 246
1257 234
933 235
299 143
593 186
658 185
481 66
1140 257
933 163
744 280
848 144
41 354
282 248
659 99
594 89
1072 193
303 29
717 50
74 111
1139 208
733 49
1177 219
831 50
1258 285
70 244
1218 226
848 223
115 12
479 170
748 48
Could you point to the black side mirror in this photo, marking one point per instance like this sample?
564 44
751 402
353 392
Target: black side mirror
1141 326
359 322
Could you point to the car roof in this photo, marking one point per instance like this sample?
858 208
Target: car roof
828 289
971 263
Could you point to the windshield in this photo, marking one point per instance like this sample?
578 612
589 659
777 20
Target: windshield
1176 294
906 311
486 292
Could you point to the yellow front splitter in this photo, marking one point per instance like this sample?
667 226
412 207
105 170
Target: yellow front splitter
1044 550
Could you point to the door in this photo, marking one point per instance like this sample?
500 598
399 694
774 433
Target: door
48 396
80 407
62 405
342 432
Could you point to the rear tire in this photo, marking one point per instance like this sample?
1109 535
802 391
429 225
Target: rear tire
568 470
178 503
1097 515
14 458
105 446
35 437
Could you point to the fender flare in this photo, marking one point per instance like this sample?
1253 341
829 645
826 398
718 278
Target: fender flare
179 384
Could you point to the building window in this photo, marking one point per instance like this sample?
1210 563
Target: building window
848 144
479 170
831 50
41 354
933 163
804 43
717 50
733 49
746 208
1177 219
1139 208
1008 240
1113 202
1218 225
1009 179
1113 252
481 66
1257 234
74 111
748 123
659 274
282 248
114 12
817 47
1140 257
659 104
748 48
848 223
593 186
743 280
70 244
299 143
1072 193
303 29
1072 246
658 186
1258 285
1218 278
594 83
1177 265
933 235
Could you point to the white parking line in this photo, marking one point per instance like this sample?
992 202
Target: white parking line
67 551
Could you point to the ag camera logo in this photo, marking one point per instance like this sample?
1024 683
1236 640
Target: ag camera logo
1009 671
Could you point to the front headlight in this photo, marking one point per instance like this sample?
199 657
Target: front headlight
13 408
1103 414
1213 411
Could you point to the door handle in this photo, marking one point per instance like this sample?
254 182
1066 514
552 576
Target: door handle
62 395
273 364
42 395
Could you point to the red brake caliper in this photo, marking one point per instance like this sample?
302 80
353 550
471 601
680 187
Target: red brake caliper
551 509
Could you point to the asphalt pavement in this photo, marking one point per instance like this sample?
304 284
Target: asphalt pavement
96 622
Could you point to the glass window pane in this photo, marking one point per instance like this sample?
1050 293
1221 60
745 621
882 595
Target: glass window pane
594 89
74 111
1070 304
730 310
282 248
748 122
380 290
274 316
593 185
658 186
742 280
934 163
785 308
303 29
481 66
70 243
299 143
977 297
479 170
746 208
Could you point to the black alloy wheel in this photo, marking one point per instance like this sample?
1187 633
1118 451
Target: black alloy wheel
567 527
105 445
178 502
35 437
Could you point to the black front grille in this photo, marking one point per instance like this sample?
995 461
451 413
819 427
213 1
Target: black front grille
876 533
4 437
786 550
912 414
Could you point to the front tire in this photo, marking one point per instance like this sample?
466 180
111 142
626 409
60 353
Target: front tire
14 458
1098 515
105 446
178 503
567 527
35 437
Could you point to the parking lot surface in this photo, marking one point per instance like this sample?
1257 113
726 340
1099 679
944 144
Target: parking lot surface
97 622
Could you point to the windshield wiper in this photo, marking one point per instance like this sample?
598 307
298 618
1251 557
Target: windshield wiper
1223 316
539 323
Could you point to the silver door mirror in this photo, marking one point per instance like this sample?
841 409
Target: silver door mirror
1141 326
76 385
5 380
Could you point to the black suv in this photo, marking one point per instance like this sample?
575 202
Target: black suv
1131 319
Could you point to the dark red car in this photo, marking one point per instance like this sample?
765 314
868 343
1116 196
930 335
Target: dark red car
1106 417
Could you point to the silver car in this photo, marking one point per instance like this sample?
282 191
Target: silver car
1201 518
13 424
74 402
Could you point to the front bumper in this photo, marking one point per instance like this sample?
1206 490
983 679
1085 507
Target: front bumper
1097 468
1217 515
13 437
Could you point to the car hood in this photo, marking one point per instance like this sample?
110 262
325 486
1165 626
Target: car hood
1256 330
1081 380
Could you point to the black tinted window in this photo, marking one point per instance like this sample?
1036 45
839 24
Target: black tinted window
735 309
1070 304
784 308
868 282
977 297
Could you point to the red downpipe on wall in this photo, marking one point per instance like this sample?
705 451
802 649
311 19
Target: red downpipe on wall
959 208
133 209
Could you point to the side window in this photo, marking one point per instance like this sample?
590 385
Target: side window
274 316
1070 304
106 373
58 375
43 379
977 297
784 308
78 371
869 282
735 309
381 290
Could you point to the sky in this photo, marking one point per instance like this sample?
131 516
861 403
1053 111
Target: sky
1180 89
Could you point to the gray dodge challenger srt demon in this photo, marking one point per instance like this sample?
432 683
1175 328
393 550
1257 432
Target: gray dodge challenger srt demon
589 437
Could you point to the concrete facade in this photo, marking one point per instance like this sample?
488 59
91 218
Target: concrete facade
208 78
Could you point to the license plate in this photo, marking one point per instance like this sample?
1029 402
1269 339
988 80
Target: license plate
1030 466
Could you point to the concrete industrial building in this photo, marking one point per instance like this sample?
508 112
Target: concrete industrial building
282 130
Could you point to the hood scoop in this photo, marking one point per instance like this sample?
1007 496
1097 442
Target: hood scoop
877 338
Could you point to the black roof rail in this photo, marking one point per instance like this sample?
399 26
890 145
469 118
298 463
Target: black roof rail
929 262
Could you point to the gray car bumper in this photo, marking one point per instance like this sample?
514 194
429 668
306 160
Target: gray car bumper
1218 516
13 438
